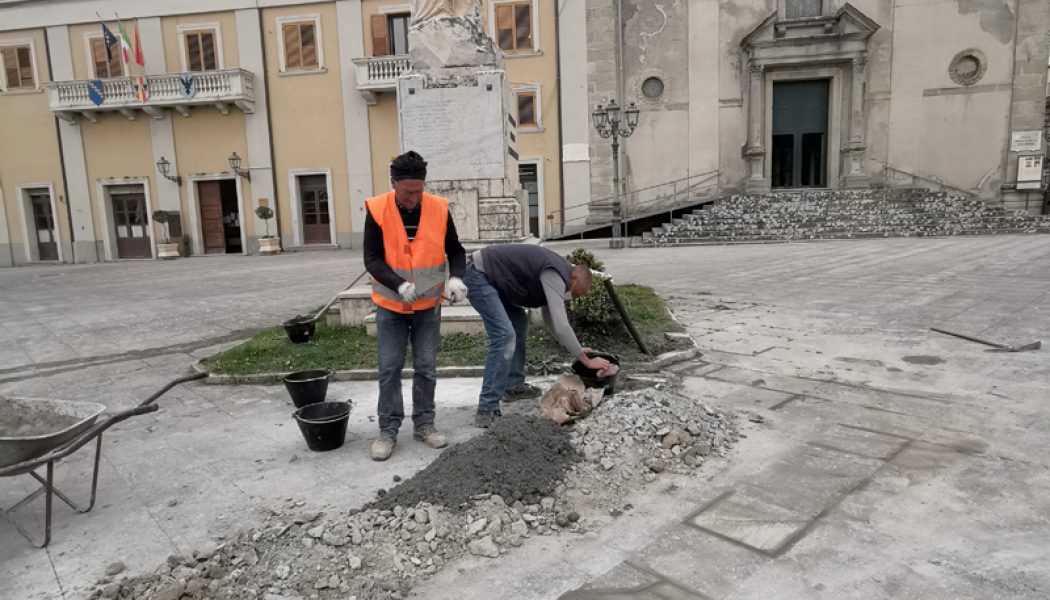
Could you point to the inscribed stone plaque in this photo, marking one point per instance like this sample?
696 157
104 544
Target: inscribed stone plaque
458 130
797 9
1026 141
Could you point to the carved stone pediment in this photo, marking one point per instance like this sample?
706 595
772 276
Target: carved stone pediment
835 36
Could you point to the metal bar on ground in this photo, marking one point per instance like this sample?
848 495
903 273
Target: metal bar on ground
611 290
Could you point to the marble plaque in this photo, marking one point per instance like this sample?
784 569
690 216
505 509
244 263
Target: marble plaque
460 130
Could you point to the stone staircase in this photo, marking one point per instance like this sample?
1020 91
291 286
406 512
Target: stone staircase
841 214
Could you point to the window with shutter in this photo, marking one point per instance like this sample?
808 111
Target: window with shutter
18 67
105 66
300 46
514 26
398 32
201 53
527 110
380 36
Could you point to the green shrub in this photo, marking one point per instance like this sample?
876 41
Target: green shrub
594 310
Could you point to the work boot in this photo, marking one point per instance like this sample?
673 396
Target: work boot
485 419
522 392
383 447
428 434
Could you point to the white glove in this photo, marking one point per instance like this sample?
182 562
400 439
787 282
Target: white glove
455 290
407 290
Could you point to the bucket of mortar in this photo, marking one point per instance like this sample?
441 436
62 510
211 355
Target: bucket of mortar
307 387
590 376
323 425
300 329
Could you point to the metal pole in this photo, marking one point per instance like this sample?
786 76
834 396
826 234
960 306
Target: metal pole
611 290
616 242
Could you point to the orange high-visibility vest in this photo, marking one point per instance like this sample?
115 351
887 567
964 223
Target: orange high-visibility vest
421 261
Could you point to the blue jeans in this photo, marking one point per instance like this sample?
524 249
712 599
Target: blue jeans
508 328
393 332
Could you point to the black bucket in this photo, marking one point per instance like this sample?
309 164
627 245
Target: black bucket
323 425
300 329
590 376
307 387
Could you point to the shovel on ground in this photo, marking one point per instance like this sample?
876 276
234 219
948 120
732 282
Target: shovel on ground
995 346
300 328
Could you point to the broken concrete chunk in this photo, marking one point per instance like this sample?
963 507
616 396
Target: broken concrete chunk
484 547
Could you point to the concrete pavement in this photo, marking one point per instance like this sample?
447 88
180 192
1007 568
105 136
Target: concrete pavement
890 462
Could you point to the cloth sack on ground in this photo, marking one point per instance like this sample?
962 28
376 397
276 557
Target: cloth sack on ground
568 399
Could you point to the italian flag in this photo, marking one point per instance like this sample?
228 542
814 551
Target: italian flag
125 46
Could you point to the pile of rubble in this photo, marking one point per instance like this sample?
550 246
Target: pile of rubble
588 470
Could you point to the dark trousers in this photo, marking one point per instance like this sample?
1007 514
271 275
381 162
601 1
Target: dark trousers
393 332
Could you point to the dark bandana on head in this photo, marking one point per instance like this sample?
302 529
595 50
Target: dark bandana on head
409 165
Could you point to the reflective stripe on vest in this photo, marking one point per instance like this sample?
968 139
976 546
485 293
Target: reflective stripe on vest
421 261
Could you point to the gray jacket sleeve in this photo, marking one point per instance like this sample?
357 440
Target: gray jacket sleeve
554 315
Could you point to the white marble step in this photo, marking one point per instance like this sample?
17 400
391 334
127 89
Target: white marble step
458 318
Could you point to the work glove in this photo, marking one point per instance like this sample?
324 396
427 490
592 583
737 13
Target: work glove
455 290
407 291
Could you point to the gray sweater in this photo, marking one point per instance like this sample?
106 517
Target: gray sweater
554 315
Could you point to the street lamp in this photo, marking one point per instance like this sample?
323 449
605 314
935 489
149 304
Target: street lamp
611 121
235 164
163 165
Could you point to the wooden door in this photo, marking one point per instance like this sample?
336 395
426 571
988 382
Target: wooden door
131 225
44 225
313 194
212 229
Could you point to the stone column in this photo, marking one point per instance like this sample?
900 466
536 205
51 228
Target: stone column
754 152
855 176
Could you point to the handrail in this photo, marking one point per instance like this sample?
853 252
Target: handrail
934 181
642 202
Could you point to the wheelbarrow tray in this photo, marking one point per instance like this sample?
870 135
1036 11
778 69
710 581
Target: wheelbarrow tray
31 427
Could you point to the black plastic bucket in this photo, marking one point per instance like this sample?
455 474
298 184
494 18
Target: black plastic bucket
300 329
307 387
323 425
589 376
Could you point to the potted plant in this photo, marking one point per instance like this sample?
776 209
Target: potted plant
167 250
268 244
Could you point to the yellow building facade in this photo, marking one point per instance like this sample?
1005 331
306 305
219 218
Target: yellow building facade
290 106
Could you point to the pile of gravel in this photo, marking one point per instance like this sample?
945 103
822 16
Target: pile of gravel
524 477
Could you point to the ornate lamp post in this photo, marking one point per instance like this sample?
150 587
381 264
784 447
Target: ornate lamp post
610 122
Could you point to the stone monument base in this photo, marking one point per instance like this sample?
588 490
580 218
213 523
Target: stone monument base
484 210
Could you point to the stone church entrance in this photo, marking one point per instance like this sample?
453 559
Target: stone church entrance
800 134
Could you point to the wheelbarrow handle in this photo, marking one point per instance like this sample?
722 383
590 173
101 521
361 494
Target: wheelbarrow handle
170 385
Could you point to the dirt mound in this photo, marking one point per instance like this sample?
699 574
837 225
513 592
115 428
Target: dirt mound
519 458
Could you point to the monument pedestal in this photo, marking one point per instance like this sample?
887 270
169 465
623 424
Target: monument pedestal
459 119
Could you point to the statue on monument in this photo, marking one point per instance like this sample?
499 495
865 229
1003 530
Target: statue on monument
426 10
448 34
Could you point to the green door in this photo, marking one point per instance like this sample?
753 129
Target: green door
800 134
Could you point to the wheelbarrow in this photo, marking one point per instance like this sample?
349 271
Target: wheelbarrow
39 433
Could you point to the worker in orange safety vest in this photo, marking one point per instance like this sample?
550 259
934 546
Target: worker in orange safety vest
409 237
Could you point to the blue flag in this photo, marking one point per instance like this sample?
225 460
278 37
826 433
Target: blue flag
95 92
111 40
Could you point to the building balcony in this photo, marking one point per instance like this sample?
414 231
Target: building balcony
179 91
379 74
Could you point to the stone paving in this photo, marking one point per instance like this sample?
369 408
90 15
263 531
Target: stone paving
884 461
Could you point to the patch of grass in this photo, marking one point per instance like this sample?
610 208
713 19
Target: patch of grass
339 348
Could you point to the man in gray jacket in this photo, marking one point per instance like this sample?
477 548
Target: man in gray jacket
503 280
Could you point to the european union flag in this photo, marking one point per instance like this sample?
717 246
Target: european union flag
111 40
